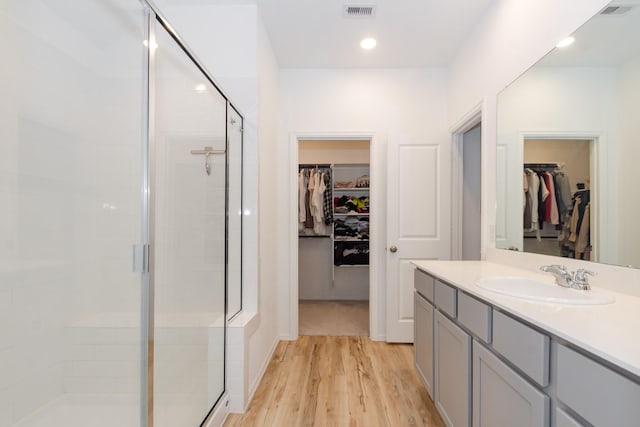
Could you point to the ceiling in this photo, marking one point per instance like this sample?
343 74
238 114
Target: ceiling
410 33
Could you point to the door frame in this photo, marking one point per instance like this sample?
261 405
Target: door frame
376 243
598 180
466 123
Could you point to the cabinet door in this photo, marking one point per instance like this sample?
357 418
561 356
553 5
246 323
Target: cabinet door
501 397
596 393
423 341
452 372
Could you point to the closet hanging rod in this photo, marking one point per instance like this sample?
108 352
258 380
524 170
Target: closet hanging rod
314 165
550 165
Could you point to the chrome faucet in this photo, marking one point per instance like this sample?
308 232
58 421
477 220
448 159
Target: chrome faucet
576 280
581 279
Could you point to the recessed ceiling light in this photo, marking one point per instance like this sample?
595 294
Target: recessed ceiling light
566 42
368 43
200 88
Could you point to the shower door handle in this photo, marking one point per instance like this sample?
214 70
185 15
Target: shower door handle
141 258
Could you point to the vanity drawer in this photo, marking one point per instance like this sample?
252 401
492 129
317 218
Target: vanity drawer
523 346
598 394
445 298
423 283
475 316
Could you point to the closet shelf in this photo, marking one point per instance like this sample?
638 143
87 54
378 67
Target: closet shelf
338 239
351 189
350 214
352 265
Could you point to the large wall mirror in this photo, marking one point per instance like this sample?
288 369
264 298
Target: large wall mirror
568 146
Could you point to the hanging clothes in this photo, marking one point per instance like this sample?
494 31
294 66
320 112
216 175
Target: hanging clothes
543 194
526 202
552 215
584 233
533 183
313 190
309 223
317 204
327 204
302 196
563 192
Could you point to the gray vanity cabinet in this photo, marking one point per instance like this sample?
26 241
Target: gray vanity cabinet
423 340
598 394
501 397
484 365
423 345
452 372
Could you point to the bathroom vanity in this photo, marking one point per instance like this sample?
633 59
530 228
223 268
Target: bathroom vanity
492 360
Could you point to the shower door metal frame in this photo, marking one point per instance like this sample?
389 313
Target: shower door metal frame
148 223
152 17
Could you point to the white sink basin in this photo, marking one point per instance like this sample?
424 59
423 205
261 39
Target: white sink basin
525 288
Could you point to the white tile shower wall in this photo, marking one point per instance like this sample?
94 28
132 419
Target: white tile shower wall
103 359
31 316
6 331
6 407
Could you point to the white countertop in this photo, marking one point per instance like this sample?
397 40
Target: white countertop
610 331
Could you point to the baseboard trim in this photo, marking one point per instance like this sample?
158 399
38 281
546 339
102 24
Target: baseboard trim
263 369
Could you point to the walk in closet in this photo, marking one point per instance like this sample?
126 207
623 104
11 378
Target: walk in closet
333 237
556 199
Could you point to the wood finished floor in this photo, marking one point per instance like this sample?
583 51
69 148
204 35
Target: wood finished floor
340 381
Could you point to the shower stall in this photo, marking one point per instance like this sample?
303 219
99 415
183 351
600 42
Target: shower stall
121 219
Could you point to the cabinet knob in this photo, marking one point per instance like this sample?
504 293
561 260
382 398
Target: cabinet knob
393 249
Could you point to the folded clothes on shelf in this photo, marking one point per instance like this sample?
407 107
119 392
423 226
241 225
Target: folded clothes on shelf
343 184
352 228
346 204
351 253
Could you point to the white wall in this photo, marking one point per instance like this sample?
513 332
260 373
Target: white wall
508 40
378 101
263 341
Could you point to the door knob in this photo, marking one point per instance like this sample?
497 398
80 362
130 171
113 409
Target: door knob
393 249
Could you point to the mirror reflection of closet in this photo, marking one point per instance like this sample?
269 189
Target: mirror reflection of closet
557 218
333 291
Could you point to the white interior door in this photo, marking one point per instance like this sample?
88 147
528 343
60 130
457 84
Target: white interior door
509 194
419 221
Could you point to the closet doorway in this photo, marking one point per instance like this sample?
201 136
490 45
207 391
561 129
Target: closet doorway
468 163
472 194
557 197
333 216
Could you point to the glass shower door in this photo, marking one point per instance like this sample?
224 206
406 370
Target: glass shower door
190 238
71 174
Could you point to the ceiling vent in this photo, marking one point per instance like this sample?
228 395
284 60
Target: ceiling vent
359 10
615 10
